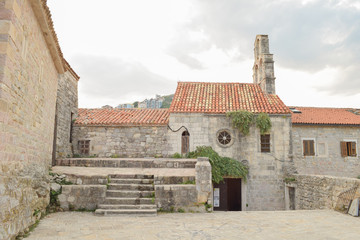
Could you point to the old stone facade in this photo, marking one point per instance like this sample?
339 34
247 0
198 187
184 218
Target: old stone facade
31 64
264 189
327 159
66 113
122 141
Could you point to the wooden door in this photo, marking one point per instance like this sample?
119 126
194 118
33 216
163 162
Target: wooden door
185 142
229 195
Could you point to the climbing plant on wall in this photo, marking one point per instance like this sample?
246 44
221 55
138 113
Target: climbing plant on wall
220 166
263 123
242 121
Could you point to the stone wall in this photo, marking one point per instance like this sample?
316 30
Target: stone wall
144 141
175 197
66 111
319 191
264 189
327 159
28 84
81 197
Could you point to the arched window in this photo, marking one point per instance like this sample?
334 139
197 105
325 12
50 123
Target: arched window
185 140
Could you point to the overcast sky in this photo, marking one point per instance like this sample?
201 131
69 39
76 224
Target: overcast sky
131 50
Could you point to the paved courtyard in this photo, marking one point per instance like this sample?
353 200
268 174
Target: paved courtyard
219 225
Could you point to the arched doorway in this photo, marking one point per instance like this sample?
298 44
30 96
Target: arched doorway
185 142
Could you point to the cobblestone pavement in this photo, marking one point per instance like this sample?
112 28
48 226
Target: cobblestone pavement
287 225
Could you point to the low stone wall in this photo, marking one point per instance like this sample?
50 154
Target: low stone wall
177 198
75 197
319 191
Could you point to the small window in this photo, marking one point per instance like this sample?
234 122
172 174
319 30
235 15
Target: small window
308 146
265 143
348 149
224 138
84 147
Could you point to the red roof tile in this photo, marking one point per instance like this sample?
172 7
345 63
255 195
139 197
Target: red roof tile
337 116
206 97
123 117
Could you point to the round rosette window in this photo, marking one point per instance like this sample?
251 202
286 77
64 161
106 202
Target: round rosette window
224 138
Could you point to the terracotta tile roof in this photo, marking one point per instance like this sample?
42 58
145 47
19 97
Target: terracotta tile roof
123 117
315 115
206 97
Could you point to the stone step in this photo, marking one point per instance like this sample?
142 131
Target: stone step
131 181
139 187
132 176
128 201
126 206
127 162
129 194
138 212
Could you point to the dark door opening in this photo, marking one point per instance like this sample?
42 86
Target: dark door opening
227 195
185 140
291 198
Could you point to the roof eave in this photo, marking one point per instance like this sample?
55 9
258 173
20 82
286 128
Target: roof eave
327 124
43 16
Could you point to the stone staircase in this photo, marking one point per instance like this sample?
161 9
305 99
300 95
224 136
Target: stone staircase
129 194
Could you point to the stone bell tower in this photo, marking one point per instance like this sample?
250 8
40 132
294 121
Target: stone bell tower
263 69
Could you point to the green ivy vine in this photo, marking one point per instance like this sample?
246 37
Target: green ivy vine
242 121
263 122
220 166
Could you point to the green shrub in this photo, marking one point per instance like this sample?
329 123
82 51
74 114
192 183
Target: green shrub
220 166
176 155
180 210
289 179
189 182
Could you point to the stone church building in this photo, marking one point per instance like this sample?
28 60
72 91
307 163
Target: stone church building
40 122
302 139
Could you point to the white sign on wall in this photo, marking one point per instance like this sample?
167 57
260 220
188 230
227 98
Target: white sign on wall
216 197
